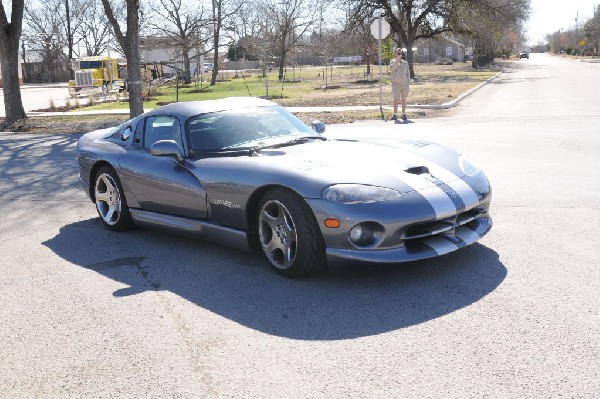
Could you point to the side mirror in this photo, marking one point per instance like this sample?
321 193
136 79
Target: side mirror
318 126
164 148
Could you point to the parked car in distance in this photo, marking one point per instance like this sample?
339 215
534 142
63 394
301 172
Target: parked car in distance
524 54
208 66
247 173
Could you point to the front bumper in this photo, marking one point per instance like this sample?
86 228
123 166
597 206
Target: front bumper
426 248
422 224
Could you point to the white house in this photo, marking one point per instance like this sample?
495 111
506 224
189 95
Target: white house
441 46
167 52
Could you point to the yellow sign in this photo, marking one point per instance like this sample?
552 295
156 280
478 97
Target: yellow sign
582 42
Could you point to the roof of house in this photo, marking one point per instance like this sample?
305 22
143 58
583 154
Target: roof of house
440 38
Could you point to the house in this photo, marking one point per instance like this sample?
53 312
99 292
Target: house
438 47
166 52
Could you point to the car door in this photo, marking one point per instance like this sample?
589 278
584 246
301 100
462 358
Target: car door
162 183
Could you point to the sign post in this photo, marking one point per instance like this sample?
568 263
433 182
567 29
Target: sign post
380 29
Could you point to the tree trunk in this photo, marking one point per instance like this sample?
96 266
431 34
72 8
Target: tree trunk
129 42
282 54
69 41
409 59
215 71
134 76
187 73
10 33
217 20
13 105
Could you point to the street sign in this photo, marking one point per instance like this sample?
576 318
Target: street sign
582 42
385 28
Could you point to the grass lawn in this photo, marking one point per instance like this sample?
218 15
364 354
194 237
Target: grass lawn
317 86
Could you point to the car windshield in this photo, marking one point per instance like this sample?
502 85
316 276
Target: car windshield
244 129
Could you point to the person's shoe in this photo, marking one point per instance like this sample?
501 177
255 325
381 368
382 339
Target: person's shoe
404 117
394 117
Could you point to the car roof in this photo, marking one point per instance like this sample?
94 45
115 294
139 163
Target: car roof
191 108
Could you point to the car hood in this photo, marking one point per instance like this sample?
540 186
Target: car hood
399 164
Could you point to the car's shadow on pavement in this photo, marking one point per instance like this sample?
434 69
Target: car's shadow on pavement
50 156
341 303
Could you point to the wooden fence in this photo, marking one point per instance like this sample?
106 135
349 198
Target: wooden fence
38 72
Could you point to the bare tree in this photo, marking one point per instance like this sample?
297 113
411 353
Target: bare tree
592 31
183 23
222 10
246 22
43 33
129 42
359 39
10 34
415 19
285 23
244 28
93 30
495 27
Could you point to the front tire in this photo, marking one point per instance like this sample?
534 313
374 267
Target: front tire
289 235
110 200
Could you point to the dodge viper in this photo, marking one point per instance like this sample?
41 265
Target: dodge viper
247 173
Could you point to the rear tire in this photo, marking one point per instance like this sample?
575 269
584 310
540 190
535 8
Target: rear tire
110 200
289 235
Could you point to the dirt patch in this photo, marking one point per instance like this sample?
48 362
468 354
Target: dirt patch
64 124
75 124
330 118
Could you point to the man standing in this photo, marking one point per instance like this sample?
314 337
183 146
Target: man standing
400 78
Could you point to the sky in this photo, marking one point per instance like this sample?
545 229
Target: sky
548 16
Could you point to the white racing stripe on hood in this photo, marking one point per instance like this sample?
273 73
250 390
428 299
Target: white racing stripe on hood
466 193
442 205
468 196
437 198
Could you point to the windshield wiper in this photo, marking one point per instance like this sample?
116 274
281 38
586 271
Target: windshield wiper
216 153
299 140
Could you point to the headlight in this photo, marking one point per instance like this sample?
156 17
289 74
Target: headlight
467 167
358 193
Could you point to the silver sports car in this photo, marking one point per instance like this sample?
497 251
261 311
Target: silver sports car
246 173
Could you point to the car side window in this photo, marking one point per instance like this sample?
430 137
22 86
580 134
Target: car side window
161 127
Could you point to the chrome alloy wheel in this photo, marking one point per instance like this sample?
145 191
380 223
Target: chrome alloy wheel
108 199
277 234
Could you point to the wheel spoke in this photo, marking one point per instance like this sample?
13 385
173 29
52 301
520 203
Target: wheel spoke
273 245
109 214
102 196
288 222
274 221
288 255
108 183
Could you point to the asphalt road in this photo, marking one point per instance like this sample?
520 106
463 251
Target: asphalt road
90 313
